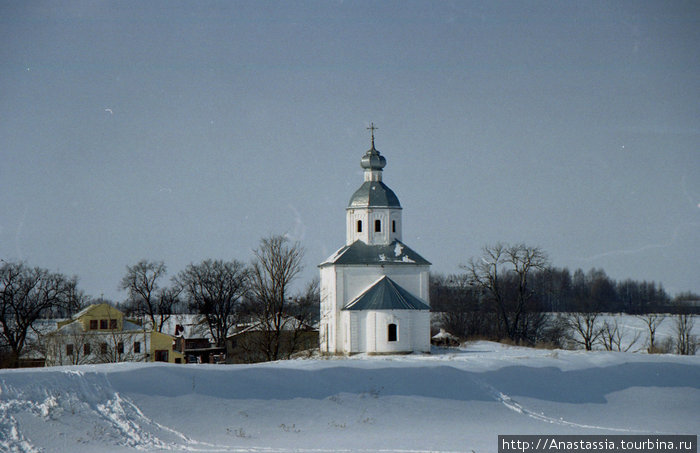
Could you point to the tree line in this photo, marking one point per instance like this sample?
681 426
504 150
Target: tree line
511 292
225 294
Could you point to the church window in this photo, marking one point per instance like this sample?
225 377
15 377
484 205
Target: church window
359 226
377 225
392 334
393 226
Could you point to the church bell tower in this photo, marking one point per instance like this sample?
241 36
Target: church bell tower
374 211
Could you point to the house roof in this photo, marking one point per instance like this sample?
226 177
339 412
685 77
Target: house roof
72 327
386 294
85 311
93 307
360 253
289 323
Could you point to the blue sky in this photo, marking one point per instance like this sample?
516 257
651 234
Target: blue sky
181 131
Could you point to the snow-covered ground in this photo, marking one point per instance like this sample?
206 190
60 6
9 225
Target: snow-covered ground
451 400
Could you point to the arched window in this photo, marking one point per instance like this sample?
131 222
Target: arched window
359 226
393 226
392 333
377 225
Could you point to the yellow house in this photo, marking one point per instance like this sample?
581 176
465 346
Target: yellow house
101 334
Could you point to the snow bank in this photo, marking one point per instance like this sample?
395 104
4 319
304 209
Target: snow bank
452 400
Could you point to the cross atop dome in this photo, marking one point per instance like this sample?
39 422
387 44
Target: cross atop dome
372 128
373 161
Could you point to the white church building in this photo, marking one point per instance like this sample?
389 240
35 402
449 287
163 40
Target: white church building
374 289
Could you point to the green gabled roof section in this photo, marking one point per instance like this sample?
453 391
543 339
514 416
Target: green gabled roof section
386 294
360 253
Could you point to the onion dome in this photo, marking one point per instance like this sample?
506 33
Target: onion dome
372 160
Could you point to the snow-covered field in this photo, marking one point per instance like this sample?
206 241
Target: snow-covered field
635 333
451 400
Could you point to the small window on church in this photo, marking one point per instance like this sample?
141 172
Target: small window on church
359 226
392 333
393 226
377 225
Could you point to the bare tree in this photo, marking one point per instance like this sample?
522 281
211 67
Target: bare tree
304 310
114 347
490 272
460 308
146 298
589 295
612 337
652 321
585 328
167 299
75 347
83 348
26 294
75 300
275 266
485 274
215 290
686 342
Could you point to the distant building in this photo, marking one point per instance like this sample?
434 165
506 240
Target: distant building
101 334
374 290
201 350
249 341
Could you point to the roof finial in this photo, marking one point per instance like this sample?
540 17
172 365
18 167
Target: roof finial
372 128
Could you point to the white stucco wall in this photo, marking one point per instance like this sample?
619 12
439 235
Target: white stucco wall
328 324
351 281
368 216
421 331
56 349
413 329
342 331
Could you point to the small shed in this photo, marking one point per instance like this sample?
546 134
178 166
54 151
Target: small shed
444 338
